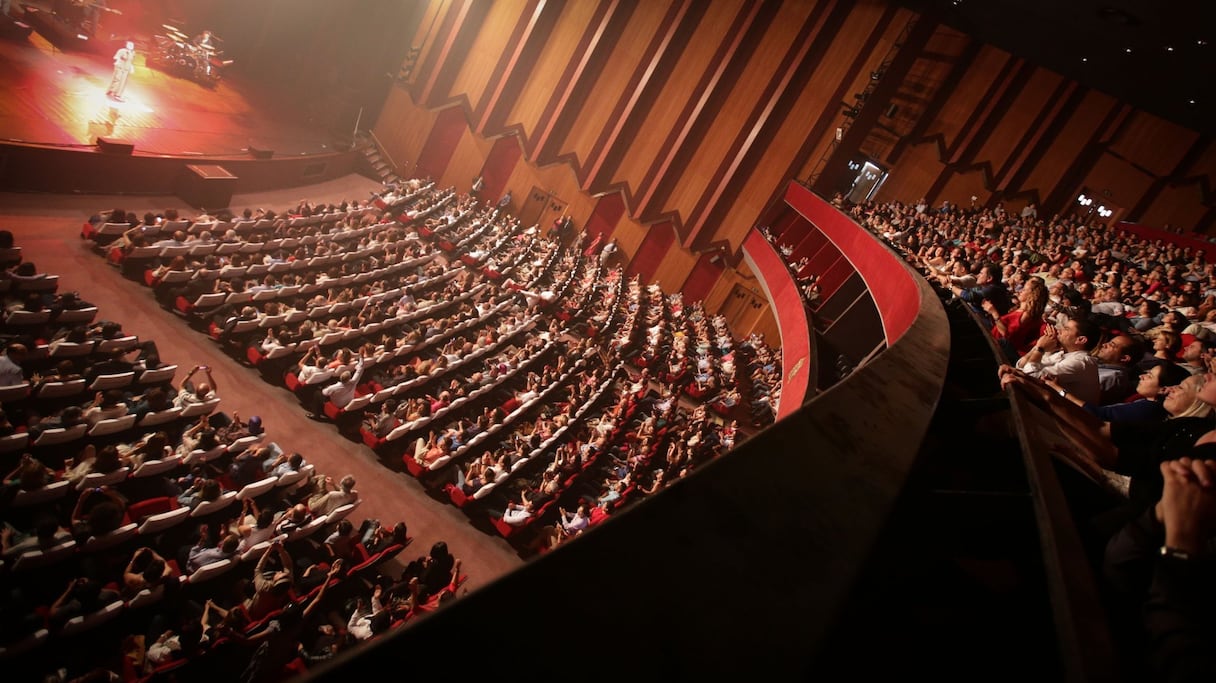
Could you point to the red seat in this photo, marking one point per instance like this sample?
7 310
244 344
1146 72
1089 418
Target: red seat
183 305
255 357
293 383
412 465
138 512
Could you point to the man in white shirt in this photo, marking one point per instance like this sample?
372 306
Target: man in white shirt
342 392
1063 354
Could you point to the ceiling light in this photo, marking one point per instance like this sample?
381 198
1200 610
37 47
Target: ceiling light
1085 59
1128 50
1169 48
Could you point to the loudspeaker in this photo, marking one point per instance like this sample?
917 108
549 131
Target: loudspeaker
114 146
260 152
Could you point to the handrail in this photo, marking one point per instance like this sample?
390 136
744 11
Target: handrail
384 150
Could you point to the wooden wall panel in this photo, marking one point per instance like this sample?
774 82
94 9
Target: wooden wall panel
471 152
951 123
674 269
743 95
1176 206
918 168
1007 138
1153 144
1066 146
712 133
474 75
558 50
812 53
1124 182
678 88
402 128
594 112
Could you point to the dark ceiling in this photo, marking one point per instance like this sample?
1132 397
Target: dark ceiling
1158 55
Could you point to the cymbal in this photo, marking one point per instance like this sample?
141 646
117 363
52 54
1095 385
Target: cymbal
171 29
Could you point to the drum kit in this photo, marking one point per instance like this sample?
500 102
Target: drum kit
198 60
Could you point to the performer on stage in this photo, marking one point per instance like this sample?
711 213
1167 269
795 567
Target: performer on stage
124 66
205 42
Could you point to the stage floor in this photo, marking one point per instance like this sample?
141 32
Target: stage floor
58 98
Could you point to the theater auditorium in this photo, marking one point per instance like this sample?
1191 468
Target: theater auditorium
591 339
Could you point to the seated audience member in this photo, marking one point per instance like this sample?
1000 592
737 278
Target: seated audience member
329 497
272 582
202 490
47 534
293 519
107 405
1147 408
191 393
283 463
1063 355
369 618
204 552
145 571
98 511
343 543
29 475
261 529
11 372
83 595
1116 359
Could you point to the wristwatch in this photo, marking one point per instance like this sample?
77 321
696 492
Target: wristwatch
1062 392
1176 553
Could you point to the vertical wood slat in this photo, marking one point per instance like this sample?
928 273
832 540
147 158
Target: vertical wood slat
1050 133
1060 197
1038 128
799 62
998 98
645 85
947 88
738 42
456 35
999 84
514 67
611 17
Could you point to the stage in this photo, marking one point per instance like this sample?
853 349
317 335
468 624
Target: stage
56 108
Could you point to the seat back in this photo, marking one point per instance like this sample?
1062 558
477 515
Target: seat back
50 492
53 437
114 425
158 376
36 559
112 380
160 417
61 389
154 524
151 468
208 507
79 315
114 538
93 480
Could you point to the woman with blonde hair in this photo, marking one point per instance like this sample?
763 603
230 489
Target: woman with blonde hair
1143 447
